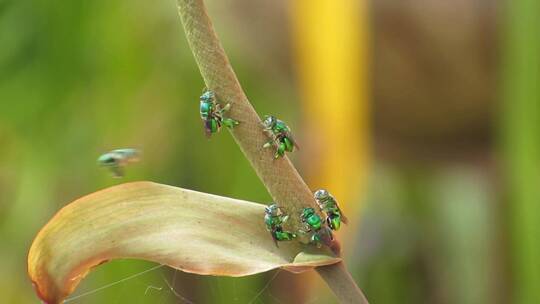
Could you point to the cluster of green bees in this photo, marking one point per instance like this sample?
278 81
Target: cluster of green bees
280 138
318 231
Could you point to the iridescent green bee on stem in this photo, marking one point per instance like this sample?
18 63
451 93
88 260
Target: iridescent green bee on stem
274 218
320 233
117 159
212 113
280 134
328 204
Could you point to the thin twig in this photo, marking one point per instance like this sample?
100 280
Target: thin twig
279 176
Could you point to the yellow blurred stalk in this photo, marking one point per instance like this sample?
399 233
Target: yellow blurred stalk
330 39
331 42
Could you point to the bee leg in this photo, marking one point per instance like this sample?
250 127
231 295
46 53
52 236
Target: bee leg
280 151
230 123
268 144
329 222
226 108
289 145
273 233
268 133
304 230
275 241
209 127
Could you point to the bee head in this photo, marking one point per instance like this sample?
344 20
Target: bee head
207 96
269 121
271 209
321 194
107 159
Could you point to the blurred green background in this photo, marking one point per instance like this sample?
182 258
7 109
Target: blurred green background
447 130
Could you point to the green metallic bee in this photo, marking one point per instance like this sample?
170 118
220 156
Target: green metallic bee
327 203
212 113
274 218
313 223
281 136
117 159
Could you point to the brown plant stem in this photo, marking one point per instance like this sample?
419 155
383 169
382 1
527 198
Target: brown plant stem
279 176
342 284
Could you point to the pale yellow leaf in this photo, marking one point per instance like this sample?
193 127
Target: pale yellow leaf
187 230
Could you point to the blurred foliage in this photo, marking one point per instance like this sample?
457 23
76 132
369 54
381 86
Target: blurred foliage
330 41
521 143
78 79
81 78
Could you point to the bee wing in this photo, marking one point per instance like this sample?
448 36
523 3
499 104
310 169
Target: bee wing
273 233
290 136
326 236
207 128
132 156
344 219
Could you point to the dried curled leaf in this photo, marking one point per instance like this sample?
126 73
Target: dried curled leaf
187 230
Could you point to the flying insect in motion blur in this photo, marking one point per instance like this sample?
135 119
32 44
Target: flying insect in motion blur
212 113
328 204
280 134
117 160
